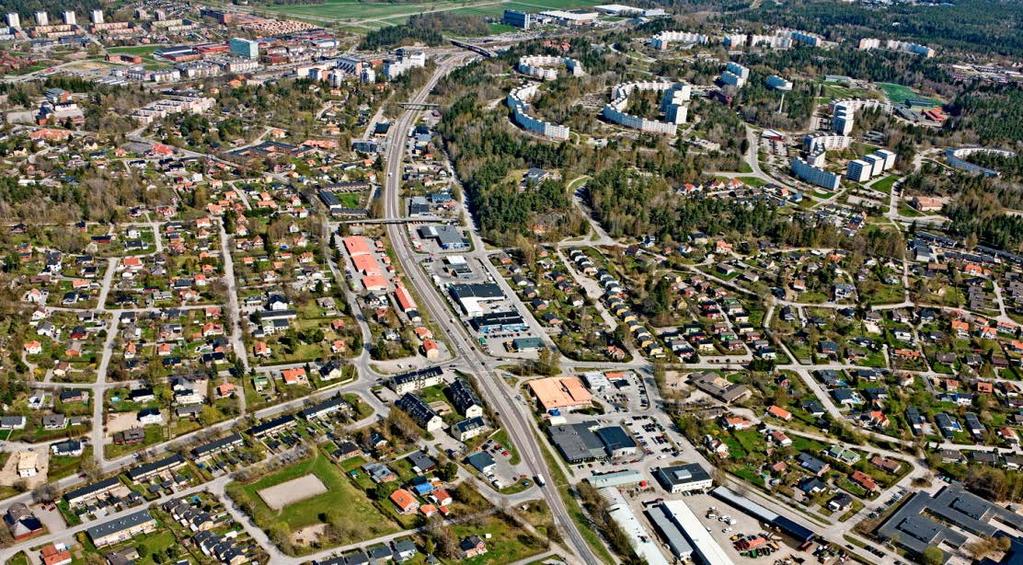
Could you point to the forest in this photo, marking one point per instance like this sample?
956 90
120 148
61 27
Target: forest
427 28
982 26
485 152
989 115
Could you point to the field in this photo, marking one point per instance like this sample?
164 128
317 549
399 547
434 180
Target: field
291 492
898 93
380 14
357 510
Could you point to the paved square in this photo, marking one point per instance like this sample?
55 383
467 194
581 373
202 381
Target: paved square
290 492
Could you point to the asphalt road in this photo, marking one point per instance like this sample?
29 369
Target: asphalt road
518 425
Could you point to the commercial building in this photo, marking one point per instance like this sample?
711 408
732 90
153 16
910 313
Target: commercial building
517 19
122 529
679 479
245 48
404 60
42 19
720 387
815 175
14 20
617 442
471 296
505 321
97 16
560 393
685 534
784 524
576 442
70 18
447 237
616 479
640 540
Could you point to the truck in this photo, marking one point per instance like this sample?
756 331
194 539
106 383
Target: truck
539 480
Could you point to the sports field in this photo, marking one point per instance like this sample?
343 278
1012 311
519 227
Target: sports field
899 93
379 14
339 494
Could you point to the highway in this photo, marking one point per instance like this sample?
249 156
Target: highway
516 418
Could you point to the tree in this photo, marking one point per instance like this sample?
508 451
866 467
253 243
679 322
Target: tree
933 556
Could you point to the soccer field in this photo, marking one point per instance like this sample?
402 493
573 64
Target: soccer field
899 93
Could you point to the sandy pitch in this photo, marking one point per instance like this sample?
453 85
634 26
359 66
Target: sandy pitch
290 492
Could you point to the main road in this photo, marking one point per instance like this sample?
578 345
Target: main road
516 417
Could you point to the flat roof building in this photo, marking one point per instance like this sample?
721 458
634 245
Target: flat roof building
683 478
560 393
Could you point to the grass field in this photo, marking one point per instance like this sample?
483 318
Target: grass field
899 93
359 511
378 14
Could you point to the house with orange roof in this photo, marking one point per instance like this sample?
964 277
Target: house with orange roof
779 412
780 439
405 501
54 555
864 480
441 497
735 422
33 347
1008 434
225 389
294 376
961 328
431 350
878 419
261 349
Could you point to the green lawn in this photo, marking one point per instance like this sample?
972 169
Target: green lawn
388 13
885 185
140 50
507 544
357 512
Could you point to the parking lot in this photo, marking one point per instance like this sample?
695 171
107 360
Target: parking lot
725 522
504 474
651 436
